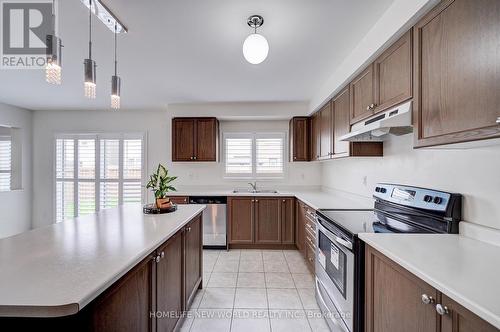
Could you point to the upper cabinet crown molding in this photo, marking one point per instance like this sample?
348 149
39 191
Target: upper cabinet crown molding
457 73
195 139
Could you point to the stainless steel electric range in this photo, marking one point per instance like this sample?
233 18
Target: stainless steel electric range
339 264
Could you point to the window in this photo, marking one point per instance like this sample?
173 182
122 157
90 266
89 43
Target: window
5 162
259 155
95 172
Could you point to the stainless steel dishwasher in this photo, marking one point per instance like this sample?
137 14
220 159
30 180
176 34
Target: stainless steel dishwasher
214 220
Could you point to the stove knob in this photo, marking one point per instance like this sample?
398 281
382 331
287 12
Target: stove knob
377 189
383 190
438 200
428 198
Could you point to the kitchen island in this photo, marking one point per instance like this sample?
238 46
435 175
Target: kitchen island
101 269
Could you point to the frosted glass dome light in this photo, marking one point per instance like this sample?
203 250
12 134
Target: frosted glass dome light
255 48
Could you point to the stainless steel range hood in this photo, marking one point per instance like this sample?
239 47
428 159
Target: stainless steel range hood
396 121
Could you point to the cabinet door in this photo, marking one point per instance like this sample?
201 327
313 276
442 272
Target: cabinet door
287 220
207 133
362 95
192 259
316 136
183 132
393 74
300 239
241 223
169 283
394 297
326 132
179 199
126 305
457 73
299 139
460 319
267 220
341 106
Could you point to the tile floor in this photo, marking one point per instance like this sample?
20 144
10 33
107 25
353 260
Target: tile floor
255 290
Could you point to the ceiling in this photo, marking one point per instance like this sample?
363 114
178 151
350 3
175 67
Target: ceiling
190 51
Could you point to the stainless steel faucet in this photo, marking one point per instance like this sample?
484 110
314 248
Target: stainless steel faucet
253 185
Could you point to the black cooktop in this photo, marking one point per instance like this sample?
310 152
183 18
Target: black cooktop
352 221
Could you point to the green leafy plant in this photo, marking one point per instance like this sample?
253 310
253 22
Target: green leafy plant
160 182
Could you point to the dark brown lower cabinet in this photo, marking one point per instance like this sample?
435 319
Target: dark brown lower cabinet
193 246
287 216
151 297
394 301
305 239
169 282
261 222
267 221
179 199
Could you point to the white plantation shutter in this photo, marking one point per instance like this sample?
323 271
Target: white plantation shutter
5 162
95 173
269 155
259 155
238 155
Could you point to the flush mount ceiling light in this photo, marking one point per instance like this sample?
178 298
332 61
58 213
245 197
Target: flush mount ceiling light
255 47
115 83
54 53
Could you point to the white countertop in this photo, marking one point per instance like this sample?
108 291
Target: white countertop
465 269
58 269
316 199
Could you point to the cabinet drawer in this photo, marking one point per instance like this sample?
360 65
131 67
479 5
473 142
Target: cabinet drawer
310 254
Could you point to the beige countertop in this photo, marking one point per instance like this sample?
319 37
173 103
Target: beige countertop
58 269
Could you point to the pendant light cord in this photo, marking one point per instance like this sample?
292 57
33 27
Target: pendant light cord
115 50
90 29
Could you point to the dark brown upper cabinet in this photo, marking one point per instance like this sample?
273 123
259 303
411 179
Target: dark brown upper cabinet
362 95
195 139
326 130
385 83
315 136
457 73
393 74
341 126
300 139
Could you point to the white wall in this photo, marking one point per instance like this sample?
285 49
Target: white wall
473 173
157 124
15 206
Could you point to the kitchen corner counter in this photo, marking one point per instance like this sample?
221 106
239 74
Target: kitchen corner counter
464 269
58 269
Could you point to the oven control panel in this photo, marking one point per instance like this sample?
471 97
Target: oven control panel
421 198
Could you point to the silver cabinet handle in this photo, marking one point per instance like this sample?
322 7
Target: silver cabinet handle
498 120
426 299
188 229
162 254
157 259
442 309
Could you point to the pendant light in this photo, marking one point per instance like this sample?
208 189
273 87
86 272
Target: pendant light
115 82
89 65
255 47
54 53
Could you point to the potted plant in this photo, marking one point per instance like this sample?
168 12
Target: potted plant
160 184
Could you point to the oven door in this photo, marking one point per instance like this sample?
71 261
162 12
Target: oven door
335 271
